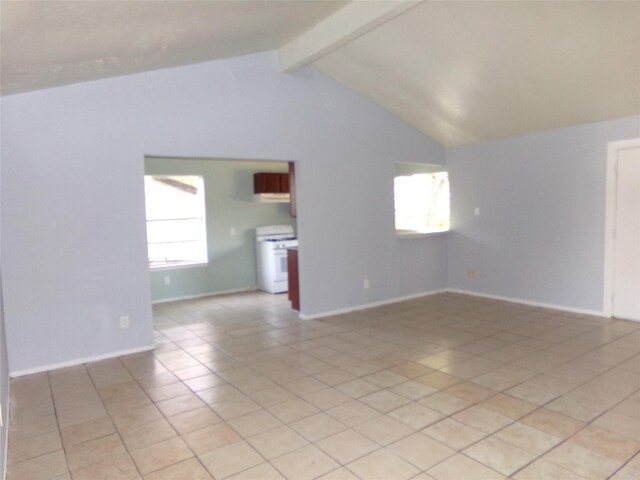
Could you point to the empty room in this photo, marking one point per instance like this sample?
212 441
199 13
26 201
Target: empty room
336 240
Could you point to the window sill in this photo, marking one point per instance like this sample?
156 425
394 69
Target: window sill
176 266
404 235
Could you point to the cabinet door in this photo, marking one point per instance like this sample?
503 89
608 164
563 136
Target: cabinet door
266 182
284 183
294 281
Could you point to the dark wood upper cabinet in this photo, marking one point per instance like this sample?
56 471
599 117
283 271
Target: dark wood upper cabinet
284 183
267 182
270 182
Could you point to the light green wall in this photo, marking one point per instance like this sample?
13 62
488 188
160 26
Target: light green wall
413 168
229 202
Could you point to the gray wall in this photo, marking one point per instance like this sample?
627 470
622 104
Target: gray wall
73 231
4 367
540 233
4 386
4 370
228 187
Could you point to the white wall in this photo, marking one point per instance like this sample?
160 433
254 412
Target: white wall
540 233
4 387
73 209
4 372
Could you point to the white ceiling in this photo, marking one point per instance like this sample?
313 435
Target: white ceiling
51 43
465 72
461 72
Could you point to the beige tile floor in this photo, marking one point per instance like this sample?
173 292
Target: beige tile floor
446 387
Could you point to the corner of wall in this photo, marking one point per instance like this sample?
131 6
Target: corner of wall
4 375
4 390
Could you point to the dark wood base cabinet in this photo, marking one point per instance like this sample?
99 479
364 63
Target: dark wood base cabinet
294 283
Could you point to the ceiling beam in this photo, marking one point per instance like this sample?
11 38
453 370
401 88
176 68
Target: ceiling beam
344 26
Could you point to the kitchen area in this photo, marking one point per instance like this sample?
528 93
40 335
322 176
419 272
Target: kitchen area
277 245
242 197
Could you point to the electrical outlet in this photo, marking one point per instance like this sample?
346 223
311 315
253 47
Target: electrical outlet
476 211
366 284
124 321
233 231
167 280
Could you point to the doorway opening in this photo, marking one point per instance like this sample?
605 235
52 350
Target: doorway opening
232 210
622 231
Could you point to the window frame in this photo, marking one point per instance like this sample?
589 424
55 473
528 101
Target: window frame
405 169
201 216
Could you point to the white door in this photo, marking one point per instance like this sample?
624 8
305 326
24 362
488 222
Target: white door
626 243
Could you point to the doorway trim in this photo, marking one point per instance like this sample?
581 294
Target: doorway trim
613 148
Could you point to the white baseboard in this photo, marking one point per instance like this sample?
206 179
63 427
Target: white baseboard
366 306
564 308
79 361
531 303
202 295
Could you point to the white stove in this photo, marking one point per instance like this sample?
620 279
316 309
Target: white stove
271 252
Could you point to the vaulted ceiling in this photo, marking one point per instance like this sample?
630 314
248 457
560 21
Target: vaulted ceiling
50 43
461 72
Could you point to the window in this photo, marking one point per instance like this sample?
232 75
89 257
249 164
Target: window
421 199
176 221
